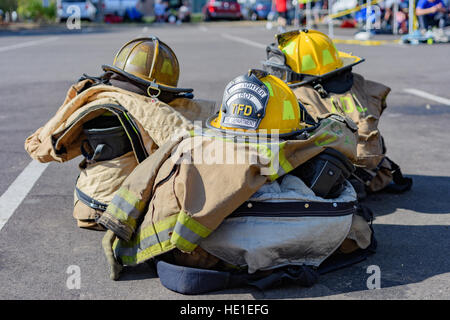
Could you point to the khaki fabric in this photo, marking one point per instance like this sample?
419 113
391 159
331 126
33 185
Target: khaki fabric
155 120
363 103
198 258
100 181
181 195
194 109
359 236
86 216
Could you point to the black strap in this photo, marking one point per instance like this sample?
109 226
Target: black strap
305 116
365 212
135 137
97 152
89 201
319 88
94 81
151 88
401 183
163 93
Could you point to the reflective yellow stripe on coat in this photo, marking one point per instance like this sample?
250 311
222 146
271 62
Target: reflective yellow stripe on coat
177 231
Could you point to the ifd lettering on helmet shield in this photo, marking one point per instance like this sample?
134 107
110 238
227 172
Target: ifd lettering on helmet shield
244 103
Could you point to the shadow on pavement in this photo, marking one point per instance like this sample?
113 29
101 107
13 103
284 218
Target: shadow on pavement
405 255
429 194
139 272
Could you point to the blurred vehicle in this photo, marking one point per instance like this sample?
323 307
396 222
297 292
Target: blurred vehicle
221 9
260 10
86 8
121 8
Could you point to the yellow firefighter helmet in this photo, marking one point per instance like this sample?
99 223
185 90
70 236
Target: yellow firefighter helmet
258 103
149 62
312 52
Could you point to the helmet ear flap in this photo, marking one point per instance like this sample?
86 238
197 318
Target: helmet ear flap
276 62
275 55
258 73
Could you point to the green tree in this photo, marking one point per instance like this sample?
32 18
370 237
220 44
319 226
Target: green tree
33 9
8 5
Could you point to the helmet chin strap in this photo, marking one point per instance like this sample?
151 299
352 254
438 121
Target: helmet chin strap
162 92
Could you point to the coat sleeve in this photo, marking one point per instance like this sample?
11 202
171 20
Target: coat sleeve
39 144
130 202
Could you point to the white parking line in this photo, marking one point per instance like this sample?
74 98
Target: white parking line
244 41
428 96
18 190
27 44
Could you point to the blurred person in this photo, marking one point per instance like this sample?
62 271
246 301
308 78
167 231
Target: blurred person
281 8
402 20
184 13
431 13
290 12
388 18
160 11
317 7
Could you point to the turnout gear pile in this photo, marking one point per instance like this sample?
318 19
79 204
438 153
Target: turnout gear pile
324 84
169 208
263 196
115 130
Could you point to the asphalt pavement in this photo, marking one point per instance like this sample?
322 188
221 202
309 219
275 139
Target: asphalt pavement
41 241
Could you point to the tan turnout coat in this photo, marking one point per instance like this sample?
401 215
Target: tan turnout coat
178 196
364 103
61 137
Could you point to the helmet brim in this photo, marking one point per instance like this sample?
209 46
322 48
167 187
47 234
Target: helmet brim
348 62
144 82
246 133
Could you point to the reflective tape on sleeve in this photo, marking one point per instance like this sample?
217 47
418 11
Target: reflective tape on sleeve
188 232
126 207
147 243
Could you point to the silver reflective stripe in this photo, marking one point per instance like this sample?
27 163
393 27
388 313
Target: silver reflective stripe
186 233
143 244
126 207
262 243
280 171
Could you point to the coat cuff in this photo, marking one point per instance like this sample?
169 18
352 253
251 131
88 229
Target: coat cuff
121 230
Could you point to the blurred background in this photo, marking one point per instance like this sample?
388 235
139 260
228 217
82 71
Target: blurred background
385 16
46 45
